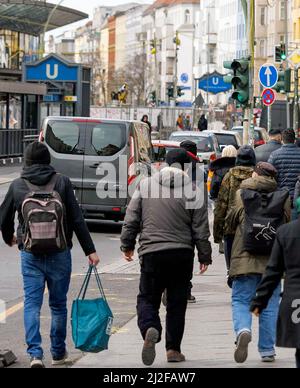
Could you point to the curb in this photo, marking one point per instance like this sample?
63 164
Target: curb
11 161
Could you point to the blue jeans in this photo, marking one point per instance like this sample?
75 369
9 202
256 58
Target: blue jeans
243 291
55 272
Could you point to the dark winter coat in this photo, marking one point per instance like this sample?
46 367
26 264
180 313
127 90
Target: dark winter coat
159 211
286 160
264 152
203 124
40 175
220 168
243 262
226 199
285 259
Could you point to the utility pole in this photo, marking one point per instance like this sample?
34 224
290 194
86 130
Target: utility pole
177 44
207 53
251 26
156 71
296 101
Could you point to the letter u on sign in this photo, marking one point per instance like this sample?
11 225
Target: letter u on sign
215 81
52 73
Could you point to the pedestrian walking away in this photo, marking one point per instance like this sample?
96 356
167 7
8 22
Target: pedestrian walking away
286 160
264 152
203 123
169 230
259 210
284 261
48 214
244 167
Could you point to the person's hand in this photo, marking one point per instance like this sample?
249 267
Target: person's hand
128 256
203 268
13 242
256 312
94 259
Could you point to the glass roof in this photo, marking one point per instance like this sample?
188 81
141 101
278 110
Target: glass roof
31 16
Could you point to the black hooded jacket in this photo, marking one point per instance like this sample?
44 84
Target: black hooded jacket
40 175
220 168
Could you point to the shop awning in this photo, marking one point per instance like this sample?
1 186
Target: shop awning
34 17
23 88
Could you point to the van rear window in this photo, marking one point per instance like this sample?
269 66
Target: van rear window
108 138
63 136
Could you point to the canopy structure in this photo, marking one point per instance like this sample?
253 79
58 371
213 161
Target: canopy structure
34 17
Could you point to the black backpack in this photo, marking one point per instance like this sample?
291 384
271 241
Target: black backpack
44 220
264 214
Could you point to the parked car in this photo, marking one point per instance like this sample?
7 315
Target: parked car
161 149
226 138
80 146
261 136
207 144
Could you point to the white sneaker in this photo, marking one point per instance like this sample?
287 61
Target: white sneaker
36 363
62 361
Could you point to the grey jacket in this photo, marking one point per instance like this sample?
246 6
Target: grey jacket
174 216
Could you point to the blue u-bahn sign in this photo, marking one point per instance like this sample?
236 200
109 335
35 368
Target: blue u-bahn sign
214 83
51 68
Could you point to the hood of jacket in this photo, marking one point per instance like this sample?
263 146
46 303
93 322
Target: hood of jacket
241 172
261 184
172 177
38 174
222 163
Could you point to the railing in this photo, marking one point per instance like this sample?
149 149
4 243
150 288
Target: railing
14 141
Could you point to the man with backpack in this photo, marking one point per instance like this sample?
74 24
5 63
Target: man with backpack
48 214
260 209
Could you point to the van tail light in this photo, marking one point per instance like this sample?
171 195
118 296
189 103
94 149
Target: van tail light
131 163
41 136
213 157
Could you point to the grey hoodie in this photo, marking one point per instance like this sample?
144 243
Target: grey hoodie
174 217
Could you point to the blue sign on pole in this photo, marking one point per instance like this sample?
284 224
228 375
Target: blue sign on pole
214 83
51 69
268 76
184 78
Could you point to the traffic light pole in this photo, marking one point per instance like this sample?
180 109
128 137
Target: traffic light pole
176 66
156 73
296 101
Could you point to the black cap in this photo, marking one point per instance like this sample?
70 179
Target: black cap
178 156
246 157
189 146
275 132
37 153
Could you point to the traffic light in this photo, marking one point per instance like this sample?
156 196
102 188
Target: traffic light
180 91
171 91
239 79
284 81
153 46
280 53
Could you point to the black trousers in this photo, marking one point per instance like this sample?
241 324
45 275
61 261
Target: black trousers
166 270
298 358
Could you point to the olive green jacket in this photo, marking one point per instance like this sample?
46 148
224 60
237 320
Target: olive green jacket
242 262
226 199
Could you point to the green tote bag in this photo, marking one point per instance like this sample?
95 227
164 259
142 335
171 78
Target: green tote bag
92 320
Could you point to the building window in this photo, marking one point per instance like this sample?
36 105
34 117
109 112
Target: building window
187 17
262 48
263 13
282 10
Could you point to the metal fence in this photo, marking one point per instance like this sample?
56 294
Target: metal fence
14 141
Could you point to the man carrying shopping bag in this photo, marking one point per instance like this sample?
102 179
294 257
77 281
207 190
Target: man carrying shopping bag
48 215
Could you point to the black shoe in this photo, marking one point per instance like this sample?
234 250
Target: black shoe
36 363
241 352
192 299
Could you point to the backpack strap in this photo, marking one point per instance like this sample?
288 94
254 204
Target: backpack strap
48 188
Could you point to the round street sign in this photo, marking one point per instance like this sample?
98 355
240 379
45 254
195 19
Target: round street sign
268 97
268 75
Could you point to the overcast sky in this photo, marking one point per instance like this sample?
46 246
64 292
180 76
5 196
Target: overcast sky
87 6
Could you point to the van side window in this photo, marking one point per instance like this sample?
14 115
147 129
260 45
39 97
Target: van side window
108 138
62 136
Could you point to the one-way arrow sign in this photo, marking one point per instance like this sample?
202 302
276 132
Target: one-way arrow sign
268 76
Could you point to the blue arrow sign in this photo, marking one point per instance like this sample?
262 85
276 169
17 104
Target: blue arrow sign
214 83
268 76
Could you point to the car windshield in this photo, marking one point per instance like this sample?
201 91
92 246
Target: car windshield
204 144
225 140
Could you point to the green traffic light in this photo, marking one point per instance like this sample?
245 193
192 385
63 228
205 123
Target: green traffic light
283 57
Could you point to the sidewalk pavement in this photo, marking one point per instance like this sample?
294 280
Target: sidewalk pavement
208 341
8 178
